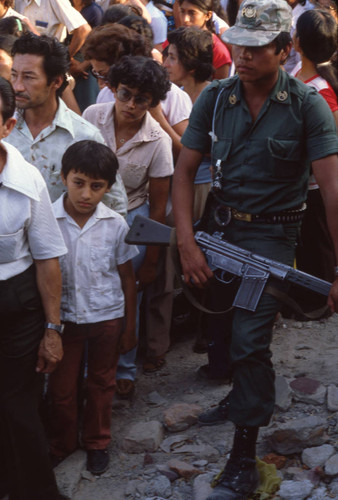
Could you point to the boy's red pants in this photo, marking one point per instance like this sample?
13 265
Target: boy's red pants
65 382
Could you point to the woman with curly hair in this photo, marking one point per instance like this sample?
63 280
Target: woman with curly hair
145 160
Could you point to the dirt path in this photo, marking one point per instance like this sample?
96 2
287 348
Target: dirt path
299 349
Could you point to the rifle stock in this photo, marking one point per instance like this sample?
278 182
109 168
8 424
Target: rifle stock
253 269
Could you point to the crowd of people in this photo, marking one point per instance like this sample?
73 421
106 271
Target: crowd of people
188 112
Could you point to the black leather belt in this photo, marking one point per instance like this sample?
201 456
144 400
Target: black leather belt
224 214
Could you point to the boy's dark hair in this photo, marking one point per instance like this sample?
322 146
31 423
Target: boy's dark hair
7 99
282 41
118 11
143 74
55 55
194 49
6 43
90 158
110 42
12 25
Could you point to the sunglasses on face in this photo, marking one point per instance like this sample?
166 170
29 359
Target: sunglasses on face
125 95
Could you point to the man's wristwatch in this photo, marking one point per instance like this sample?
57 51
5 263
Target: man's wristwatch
57 328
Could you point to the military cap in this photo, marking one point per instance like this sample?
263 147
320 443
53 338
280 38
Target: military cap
258 22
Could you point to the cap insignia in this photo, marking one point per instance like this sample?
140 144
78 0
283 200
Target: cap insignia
249 12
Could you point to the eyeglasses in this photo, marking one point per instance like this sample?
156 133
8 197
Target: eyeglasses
98 76
125 95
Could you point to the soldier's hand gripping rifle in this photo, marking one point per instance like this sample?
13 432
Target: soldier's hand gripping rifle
224 257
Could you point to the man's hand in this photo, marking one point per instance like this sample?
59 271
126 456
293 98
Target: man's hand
50 352
332 300
194 266
78 69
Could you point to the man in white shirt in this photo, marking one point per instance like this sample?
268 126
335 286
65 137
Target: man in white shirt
30 290
45 126
57 18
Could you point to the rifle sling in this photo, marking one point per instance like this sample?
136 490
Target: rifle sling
283 297
270 289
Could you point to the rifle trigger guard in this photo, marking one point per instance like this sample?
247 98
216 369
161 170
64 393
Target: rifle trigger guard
220 277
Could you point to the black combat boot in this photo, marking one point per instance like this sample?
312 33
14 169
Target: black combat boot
240 476
217 415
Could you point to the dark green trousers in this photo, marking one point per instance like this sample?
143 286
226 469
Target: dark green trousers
252 397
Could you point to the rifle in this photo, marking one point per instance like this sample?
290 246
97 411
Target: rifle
224 258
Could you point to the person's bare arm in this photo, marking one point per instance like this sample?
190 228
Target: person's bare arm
222 72
48 276
326 174
128 338
193 263
69 98
79 36
175 132
158 197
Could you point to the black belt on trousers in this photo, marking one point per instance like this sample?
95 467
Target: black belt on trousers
223 214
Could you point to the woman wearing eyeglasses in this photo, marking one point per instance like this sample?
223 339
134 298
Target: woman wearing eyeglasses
145 158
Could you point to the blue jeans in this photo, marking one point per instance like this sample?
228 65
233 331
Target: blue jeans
126 367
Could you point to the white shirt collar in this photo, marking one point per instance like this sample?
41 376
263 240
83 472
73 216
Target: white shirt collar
61 119
101 211
16 175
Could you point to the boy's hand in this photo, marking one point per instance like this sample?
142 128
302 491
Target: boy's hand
128 341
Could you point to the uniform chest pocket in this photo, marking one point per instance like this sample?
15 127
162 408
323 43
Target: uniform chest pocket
285 158
100 259
10 245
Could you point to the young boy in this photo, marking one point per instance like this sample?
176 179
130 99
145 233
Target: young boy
98 304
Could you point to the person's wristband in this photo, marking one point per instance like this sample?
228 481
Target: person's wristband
336 271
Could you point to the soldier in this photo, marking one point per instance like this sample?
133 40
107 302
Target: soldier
265 127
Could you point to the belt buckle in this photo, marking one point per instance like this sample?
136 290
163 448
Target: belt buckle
241 216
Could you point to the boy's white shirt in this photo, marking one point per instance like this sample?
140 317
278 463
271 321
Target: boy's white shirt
91 285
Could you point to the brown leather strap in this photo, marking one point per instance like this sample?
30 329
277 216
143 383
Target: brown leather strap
283 297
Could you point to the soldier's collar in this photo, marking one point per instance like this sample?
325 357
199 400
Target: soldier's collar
281 91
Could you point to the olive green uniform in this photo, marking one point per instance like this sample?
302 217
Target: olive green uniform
262 168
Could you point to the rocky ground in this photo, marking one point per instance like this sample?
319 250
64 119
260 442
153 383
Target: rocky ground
159 452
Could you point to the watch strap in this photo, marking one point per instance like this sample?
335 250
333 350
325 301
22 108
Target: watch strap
53 326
